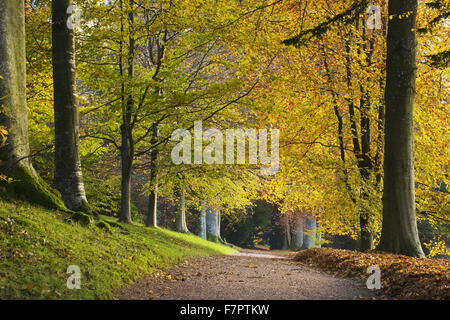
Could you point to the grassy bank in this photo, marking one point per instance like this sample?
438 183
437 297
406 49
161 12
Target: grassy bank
37 246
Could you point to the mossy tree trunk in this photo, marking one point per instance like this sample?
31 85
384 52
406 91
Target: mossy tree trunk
15 159
399 231
68 175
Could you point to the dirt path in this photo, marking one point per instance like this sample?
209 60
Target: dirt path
244 276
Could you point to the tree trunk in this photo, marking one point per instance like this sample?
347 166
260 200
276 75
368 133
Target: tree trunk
68 175
181 213
15 159
309 237
364 162
277 234
399 231
298 233
365 217
366 239
202 231
219 223
152 218
362 146
127 164
365 168
286 233
318 235
213 224
127 147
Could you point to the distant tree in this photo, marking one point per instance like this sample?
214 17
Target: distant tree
213 224
202 222
181 211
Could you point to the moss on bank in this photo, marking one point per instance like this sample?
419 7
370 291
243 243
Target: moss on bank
38 245
26 186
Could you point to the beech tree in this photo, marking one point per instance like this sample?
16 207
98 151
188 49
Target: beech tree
213 224
68 175
202 222
181 211
15 160
399 232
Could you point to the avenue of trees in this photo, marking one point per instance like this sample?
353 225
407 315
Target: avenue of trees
91 93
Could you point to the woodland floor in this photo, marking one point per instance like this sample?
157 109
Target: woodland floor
248 275
402 277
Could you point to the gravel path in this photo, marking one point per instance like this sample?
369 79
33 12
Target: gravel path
244 276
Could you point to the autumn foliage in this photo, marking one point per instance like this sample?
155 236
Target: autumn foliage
402 277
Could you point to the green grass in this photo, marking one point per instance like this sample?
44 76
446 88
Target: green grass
37 246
